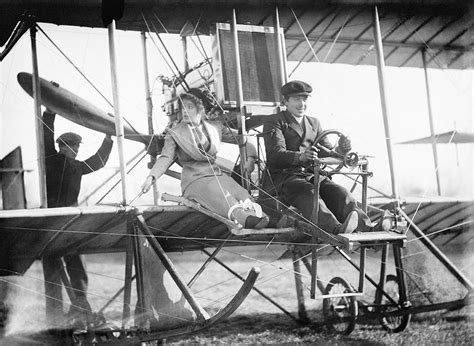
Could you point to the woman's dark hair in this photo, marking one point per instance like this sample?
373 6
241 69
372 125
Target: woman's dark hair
196 100
205 98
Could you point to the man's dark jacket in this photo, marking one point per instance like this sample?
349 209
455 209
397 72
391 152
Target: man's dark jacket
284 139
63 174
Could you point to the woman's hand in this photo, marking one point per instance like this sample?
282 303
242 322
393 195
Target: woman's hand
147 184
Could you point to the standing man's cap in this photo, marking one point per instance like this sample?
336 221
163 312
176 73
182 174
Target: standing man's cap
296 88
69 138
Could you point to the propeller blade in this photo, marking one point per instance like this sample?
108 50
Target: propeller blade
76 109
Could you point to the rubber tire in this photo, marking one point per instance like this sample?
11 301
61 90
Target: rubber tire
350 304
393 324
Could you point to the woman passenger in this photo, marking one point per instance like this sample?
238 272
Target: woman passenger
195 142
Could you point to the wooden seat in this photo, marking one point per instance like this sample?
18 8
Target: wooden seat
373 239
249 231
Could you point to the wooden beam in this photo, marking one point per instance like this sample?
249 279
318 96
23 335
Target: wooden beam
200 312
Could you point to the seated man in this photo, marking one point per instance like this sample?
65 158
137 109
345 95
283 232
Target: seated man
63 182
286 136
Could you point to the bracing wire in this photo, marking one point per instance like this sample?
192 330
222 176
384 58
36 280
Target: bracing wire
333 43
304 34
71 304
240 241
84 76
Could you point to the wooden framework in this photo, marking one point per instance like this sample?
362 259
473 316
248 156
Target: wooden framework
132 225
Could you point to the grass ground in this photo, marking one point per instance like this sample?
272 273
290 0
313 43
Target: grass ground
277 329
257 320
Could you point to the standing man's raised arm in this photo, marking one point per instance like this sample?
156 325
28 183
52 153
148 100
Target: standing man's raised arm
48 132
99 159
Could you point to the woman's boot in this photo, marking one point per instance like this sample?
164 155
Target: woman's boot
247 217
256 222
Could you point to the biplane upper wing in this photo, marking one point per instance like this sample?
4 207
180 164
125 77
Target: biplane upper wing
339 31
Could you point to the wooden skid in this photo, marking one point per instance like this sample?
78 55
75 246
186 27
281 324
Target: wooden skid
141 336
450 306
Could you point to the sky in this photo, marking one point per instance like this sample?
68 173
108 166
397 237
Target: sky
345 98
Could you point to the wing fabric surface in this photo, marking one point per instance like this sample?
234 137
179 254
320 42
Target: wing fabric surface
339 31
449 224
29 234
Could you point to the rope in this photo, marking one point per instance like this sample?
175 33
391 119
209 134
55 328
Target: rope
120 179
304 34
74 65
336 38
156 46
85 77
152 311
444 230
285 206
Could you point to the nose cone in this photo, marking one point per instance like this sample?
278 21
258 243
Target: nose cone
25 79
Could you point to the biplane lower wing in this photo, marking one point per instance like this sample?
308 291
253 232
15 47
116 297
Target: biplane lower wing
30 234
443 220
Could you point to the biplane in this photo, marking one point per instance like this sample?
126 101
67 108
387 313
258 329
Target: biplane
252 42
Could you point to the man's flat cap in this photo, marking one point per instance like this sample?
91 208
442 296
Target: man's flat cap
296 88
69 138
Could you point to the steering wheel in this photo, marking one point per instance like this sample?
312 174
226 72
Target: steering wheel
331 160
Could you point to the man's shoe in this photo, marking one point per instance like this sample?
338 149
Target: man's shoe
256 222
98 321
385 224
4 311
350 225
77 321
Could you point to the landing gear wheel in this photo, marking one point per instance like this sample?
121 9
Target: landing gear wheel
393 324
340 313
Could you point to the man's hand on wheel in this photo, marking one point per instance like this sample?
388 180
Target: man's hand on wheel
344 144
310 154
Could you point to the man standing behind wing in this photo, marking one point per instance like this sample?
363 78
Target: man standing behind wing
63 182
286 136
